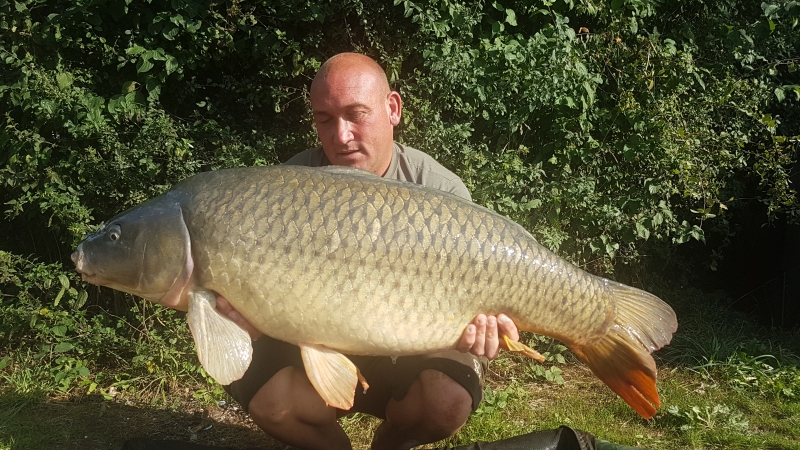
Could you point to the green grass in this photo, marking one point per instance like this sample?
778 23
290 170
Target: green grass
724 384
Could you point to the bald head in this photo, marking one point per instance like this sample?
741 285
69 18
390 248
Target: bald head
353 64
355 112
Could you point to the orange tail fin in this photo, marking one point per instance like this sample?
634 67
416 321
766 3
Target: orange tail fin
643 324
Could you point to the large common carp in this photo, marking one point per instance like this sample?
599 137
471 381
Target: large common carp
338 260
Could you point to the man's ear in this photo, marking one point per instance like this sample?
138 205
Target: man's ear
394 106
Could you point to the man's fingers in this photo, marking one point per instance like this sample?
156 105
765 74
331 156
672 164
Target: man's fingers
491 346
506 327
479 346
484 336
467 339
223 306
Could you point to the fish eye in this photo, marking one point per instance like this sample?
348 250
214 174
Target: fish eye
114 232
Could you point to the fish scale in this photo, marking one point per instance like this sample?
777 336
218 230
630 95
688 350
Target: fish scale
339 260
369 255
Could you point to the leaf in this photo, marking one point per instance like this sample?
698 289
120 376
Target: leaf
128 87
699 80
171 64
82 297
4 362
58 297
156 55
135 50
642 231
497 27
64 80
769 9
779 94
143 65
170 32
511 17
62 347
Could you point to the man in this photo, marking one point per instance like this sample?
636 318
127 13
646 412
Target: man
422 399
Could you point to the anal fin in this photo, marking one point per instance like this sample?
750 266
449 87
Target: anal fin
519 347
332 374
224 349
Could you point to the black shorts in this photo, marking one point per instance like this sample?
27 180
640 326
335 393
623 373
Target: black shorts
387 379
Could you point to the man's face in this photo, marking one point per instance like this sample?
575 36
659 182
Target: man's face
355 116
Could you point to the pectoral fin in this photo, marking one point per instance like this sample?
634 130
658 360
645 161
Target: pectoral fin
519 347
224 349
333 375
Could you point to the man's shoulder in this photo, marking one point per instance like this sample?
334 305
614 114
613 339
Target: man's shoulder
408 164
419 167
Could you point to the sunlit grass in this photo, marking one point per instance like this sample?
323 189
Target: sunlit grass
724 384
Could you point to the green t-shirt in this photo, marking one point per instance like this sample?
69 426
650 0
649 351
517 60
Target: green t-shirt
408 164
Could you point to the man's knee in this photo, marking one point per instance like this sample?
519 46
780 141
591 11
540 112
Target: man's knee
288 399
272 405
447 403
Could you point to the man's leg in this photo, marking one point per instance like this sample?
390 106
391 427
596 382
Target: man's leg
289 409
435 407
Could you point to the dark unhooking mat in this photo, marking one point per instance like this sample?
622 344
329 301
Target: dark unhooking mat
563 438
159 444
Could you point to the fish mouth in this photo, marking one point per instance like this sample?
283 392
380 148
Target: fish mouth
88 277
79 260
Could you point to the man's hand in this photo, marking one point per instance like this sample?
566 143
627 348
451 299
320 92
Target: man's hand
483 337
225 308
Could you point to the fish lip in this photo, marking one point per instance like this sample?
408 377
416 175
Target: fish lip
77 258
86 276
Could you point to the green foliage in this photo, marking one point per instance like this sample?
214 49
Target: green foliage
610 129
763 375
711 417
69 346
496 400
555 354
605 142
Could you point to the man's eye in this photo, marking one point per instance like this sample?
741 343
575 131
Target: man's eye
358 115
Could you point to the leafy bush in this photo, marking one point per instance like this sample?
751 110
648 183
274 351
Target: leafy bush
610 129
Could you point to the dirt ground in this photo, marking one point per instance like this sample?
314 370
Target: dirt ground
95 424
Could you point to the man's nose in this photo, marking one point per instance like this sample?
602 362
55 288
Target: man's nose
344 132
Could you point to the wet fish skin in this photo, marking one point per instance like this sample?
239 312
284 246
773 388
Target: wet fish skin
346 260
353 267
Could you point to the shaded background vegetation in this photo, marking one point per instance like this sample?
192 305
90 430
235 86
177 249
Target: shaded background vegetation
624 134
